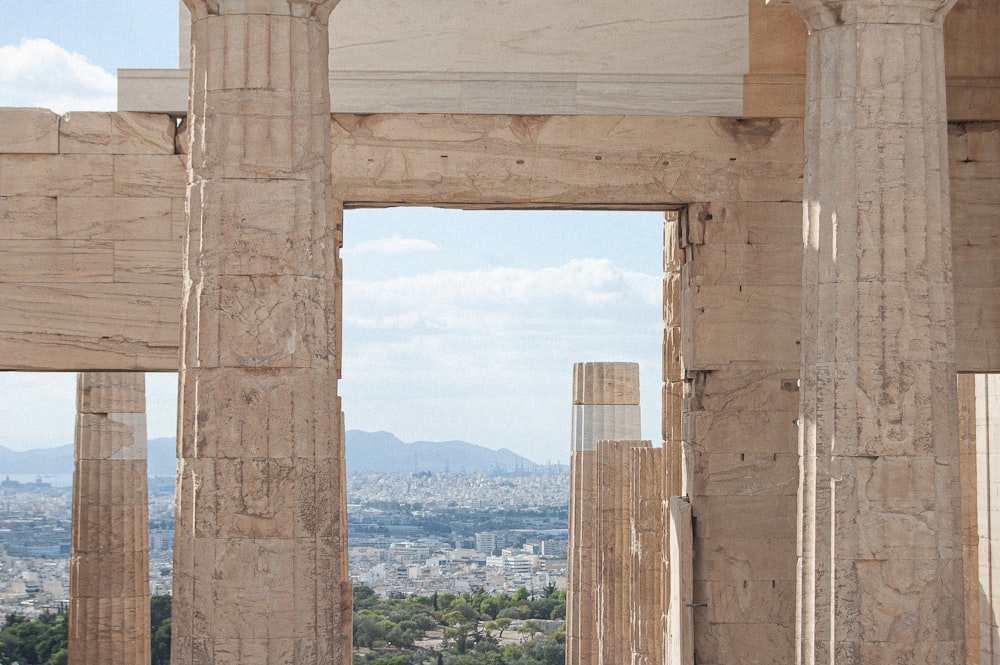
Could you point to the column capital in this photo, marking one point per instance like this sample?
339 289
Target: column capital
820 14
319 9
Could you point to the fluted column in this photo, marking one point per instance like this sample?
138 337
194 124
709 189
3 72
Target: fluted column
880 515
614 550
109 558
614 545
605 407
260 545
646 570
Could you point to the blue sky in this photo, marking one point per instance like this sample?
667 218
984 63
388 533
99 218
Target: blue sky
458 324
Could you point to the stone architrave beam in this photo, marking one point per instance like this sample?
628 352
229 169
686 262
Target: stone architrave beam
880 555
260 548
109 558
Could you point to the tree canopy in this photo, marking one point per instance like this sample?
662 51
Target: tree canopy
472 628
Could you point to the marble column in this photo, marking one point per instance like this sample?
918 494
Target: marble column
614 546
260 544
605 407
109 557
880 554
646 570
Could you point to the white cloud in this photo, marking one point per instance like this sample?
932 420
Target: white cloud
39 73
481 334
453 299
487 355
394 245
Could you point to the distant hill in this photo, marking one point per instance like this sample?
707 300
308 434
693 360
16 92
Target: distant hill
54 461
374 452
367 452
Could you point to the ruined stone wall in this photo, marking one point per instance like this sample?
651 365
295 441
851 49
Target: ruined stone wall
91 220
108 187
91 210
740 312
740 354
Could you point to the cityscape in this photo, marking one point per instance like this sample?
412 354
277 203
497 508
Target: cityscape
409 533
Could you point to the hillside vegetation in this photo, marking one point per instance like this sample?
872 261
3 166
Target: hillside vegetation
443 629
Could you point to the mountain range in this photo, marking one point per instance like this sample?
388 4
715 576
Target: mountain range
367 452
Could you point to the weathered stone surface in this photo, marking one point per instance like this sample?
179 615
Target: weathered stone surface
605 403
116 133
138 315
581 572
972 71
614 617
979 401
109 559
54 261
740 353
680 635
647 573
260 551
606 383
423 57
27 217
741 322
731 302
28 131
56 175
605 407
880 516
152 175
113 218
616 558
676 247
758 228
742 412
775 84
553 160
147 261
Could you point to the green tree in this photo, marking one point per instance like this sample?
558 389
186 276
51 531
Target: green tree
501 624
491 606
461 632
159 629
39 641
403 634
160 643
530 628
365 598
367 630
